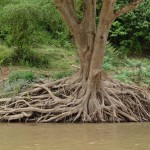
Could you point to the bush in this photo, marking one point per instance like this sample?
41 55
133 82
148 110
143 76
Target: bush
20 21
54 25
17 81
22 75
131 32
32 22
5 54
26 24
112 58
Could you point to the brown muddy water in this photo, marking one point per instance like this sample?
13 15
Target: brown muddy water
132 136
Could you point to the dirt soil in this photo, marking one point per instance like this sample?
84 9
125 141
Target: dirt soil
4 71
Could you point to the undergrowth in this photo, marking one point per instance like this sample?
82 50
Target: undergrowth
51 63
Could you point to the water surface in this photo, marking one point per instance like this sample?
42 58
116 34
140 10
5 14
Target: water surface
132 136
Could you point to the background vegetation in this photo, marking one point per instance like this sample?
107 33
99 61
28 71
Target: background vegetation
33 35
130 33
26 23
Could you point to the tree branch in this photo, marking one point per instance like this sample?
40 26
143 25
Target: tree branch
89 10
128 8
106 15
89 16
68 11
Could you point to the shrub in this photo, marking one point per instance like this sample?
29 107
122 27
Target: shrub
5 54
17 81
132 37
22 75
20 21
112 57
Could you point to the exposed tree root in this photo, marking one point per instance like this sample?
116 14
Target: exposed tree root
70 100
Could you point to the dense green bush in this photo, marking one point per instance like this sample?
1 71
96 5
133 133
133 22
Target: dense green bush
28 23
131 32
25 25
5 54
54 25
20 21
113 58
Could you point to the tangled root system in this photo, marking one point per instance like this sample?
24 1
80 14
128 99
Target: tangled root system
69 100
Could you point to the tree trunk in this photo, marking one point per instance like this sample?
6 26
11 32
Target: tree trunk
91 40
92 57
83 97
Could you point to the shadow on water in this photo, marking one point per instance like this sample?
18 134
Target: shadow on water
127 136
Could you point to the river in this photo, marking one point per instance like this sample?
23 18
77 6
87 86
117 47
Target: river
127 136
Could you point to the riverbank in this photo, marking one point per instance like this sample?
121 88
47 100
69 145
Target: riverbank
48 95
63 63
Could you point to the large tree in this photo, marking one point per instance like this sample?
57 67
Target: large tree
89 95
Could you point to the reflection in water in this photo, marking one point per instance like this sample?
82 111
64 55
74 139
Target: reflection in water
75 136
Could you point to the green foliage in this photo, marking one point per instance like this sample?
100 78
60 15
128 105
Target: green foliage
34 22
112 58
79 9
140 70
42 56
134 71
22 75
20 21
30 58
18 24
126 69
5 53
13 88
17 81
131 32
53 23
61 61
62 74
43 23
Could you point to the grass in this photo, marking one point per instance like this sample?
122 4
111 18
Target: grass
125 69
62 63
134 71
59 64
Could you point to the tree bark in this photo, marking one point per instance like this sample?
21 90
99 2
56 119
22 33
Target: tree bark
91 40
105 21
